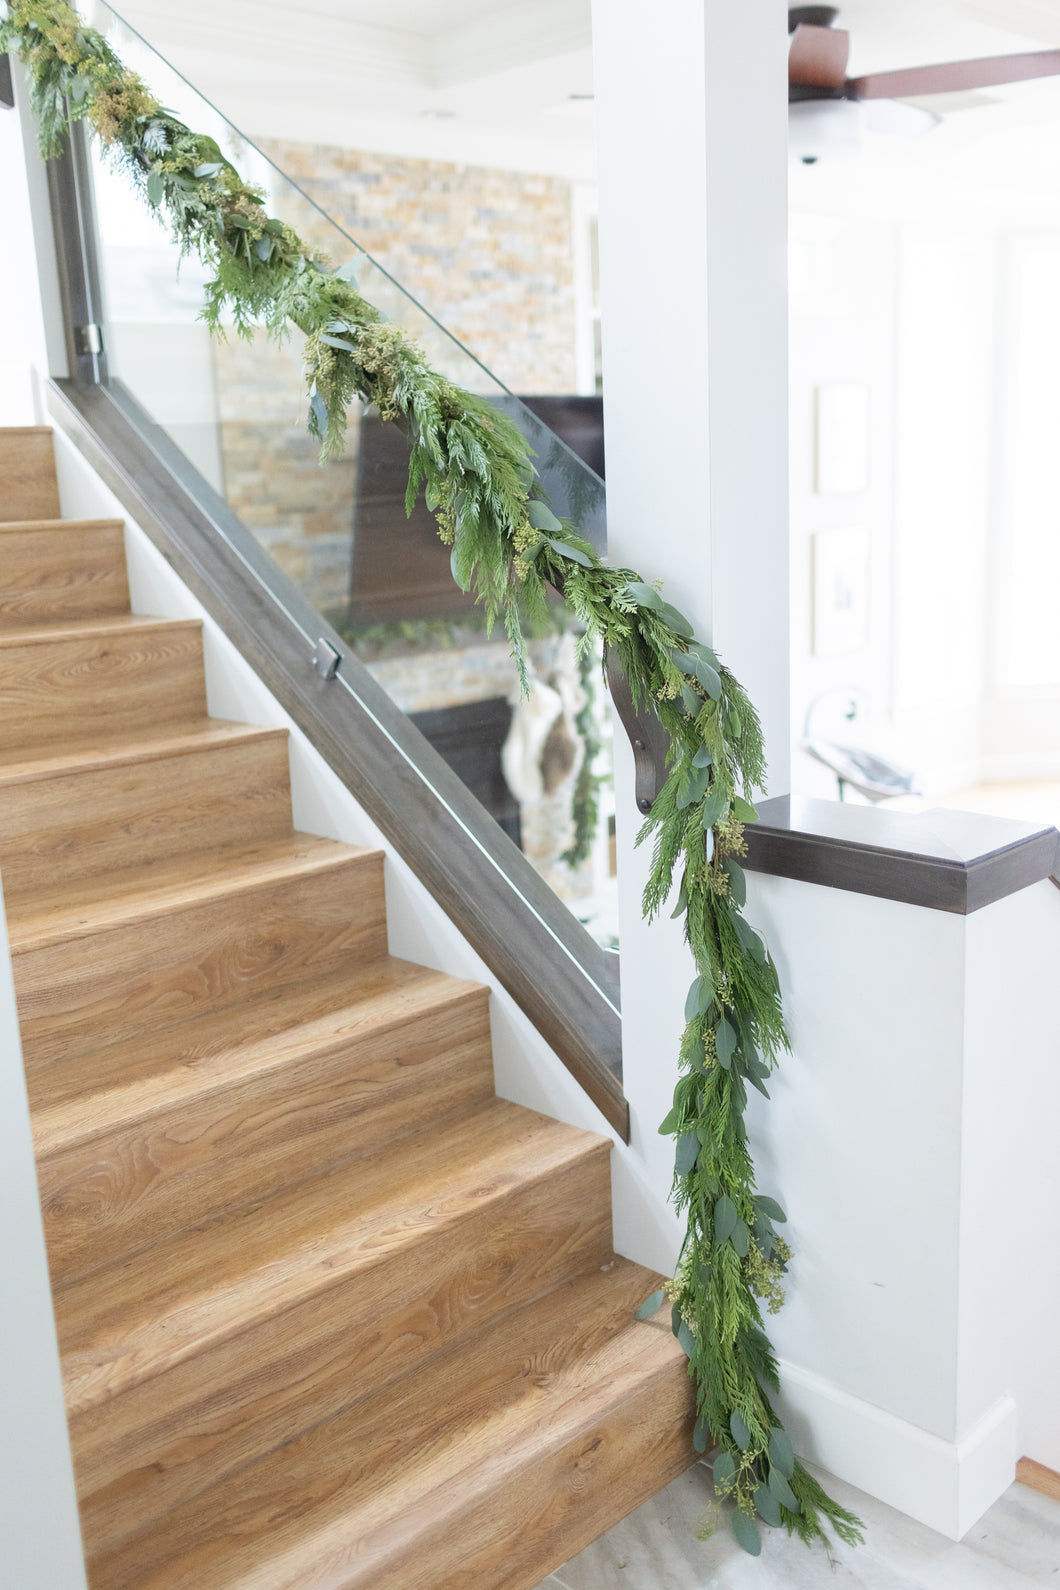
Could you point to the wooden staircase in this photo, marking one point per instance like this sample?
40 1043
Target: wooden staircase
331 1313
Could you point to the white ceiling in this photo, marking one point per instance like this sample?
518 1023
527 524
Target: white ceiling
479 80
503 82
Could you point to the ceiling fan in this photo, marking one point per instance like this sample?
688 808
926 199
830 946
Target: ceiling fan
830 113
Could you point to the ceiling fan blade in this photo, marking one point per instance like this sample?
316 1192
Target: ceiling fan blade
956 76
817 57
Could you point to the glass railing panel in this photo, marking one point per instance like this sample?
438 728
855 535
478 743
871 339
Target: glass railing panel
237 408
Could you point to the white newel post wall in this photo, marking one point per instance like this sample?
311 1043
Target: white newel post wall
911 1132
39 1531
692 152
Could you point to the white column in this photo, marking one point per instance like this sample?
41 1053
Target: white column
38 1506
691 120
33 346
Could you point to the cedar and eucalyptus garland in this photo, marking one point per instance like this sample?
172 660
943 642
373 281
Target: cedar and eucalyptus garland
475 471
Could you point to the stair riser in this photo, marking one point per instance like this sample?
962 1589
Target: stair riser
52 576
55 691
28 487
120 1193
92 821
535 1518
164 1441
129 980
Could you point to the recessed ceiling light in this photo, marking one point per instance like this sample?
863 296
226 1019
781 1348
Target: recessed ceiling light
439 115
581 96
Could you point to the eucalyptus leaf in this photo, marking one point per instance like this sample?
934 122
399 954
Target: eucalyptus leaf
675 1319
701 1435
770 1207
706 993
690 701
724 1471
346 273
320 413
764 1234
337 342
676 621
740 1433
725 1041
782 1490
706 652
702 757
155 189
749 939
575 554
733 724
781 1452
682 904
743 810
686 1154
693 788
737 881
209 168
670 1123
758 1082
714 808
746 1531
463 580
740 1237
541 517
768 1505
263 248
687 1340
643 595
709 837
692 998
725 1218
707 676
651 1305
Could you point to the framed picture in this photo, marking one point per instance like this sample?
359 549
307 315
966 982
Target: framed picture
840 590
842 439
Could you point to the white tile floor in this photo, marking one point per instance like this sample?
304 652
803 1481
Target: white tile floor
1016 1545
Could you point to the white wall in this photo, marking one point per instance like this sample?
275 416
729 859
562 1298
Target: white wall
695 410
22 353
38 1505
953 330
911 1136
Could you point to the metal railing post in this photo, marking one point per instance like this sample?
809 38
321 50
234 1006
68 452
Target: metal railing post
77 257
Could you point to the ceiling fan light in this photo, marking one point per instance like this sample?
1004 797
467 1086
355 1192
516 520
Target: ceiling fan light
893 118
825 129
836 129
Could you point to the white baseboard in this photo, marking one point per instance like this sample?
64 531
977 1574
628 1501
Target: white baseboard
947 1485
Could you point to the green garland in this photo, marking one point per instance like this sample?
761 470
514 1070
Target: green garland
585 802
476 474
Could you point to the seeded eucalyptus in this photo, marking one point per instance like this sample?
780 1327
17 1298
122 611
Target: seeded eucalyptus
476 474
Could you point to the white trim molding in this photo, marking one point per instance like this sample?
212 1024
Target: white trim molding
947 1485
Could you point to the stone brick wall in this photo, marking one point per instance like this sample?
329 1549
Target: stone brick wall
488 253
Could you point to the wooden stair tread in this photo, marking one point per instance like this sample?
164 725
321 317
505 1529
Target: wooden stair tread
132 1081
90 629
22 526
409 1476
121 1325
328 1309
64 914
24 764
